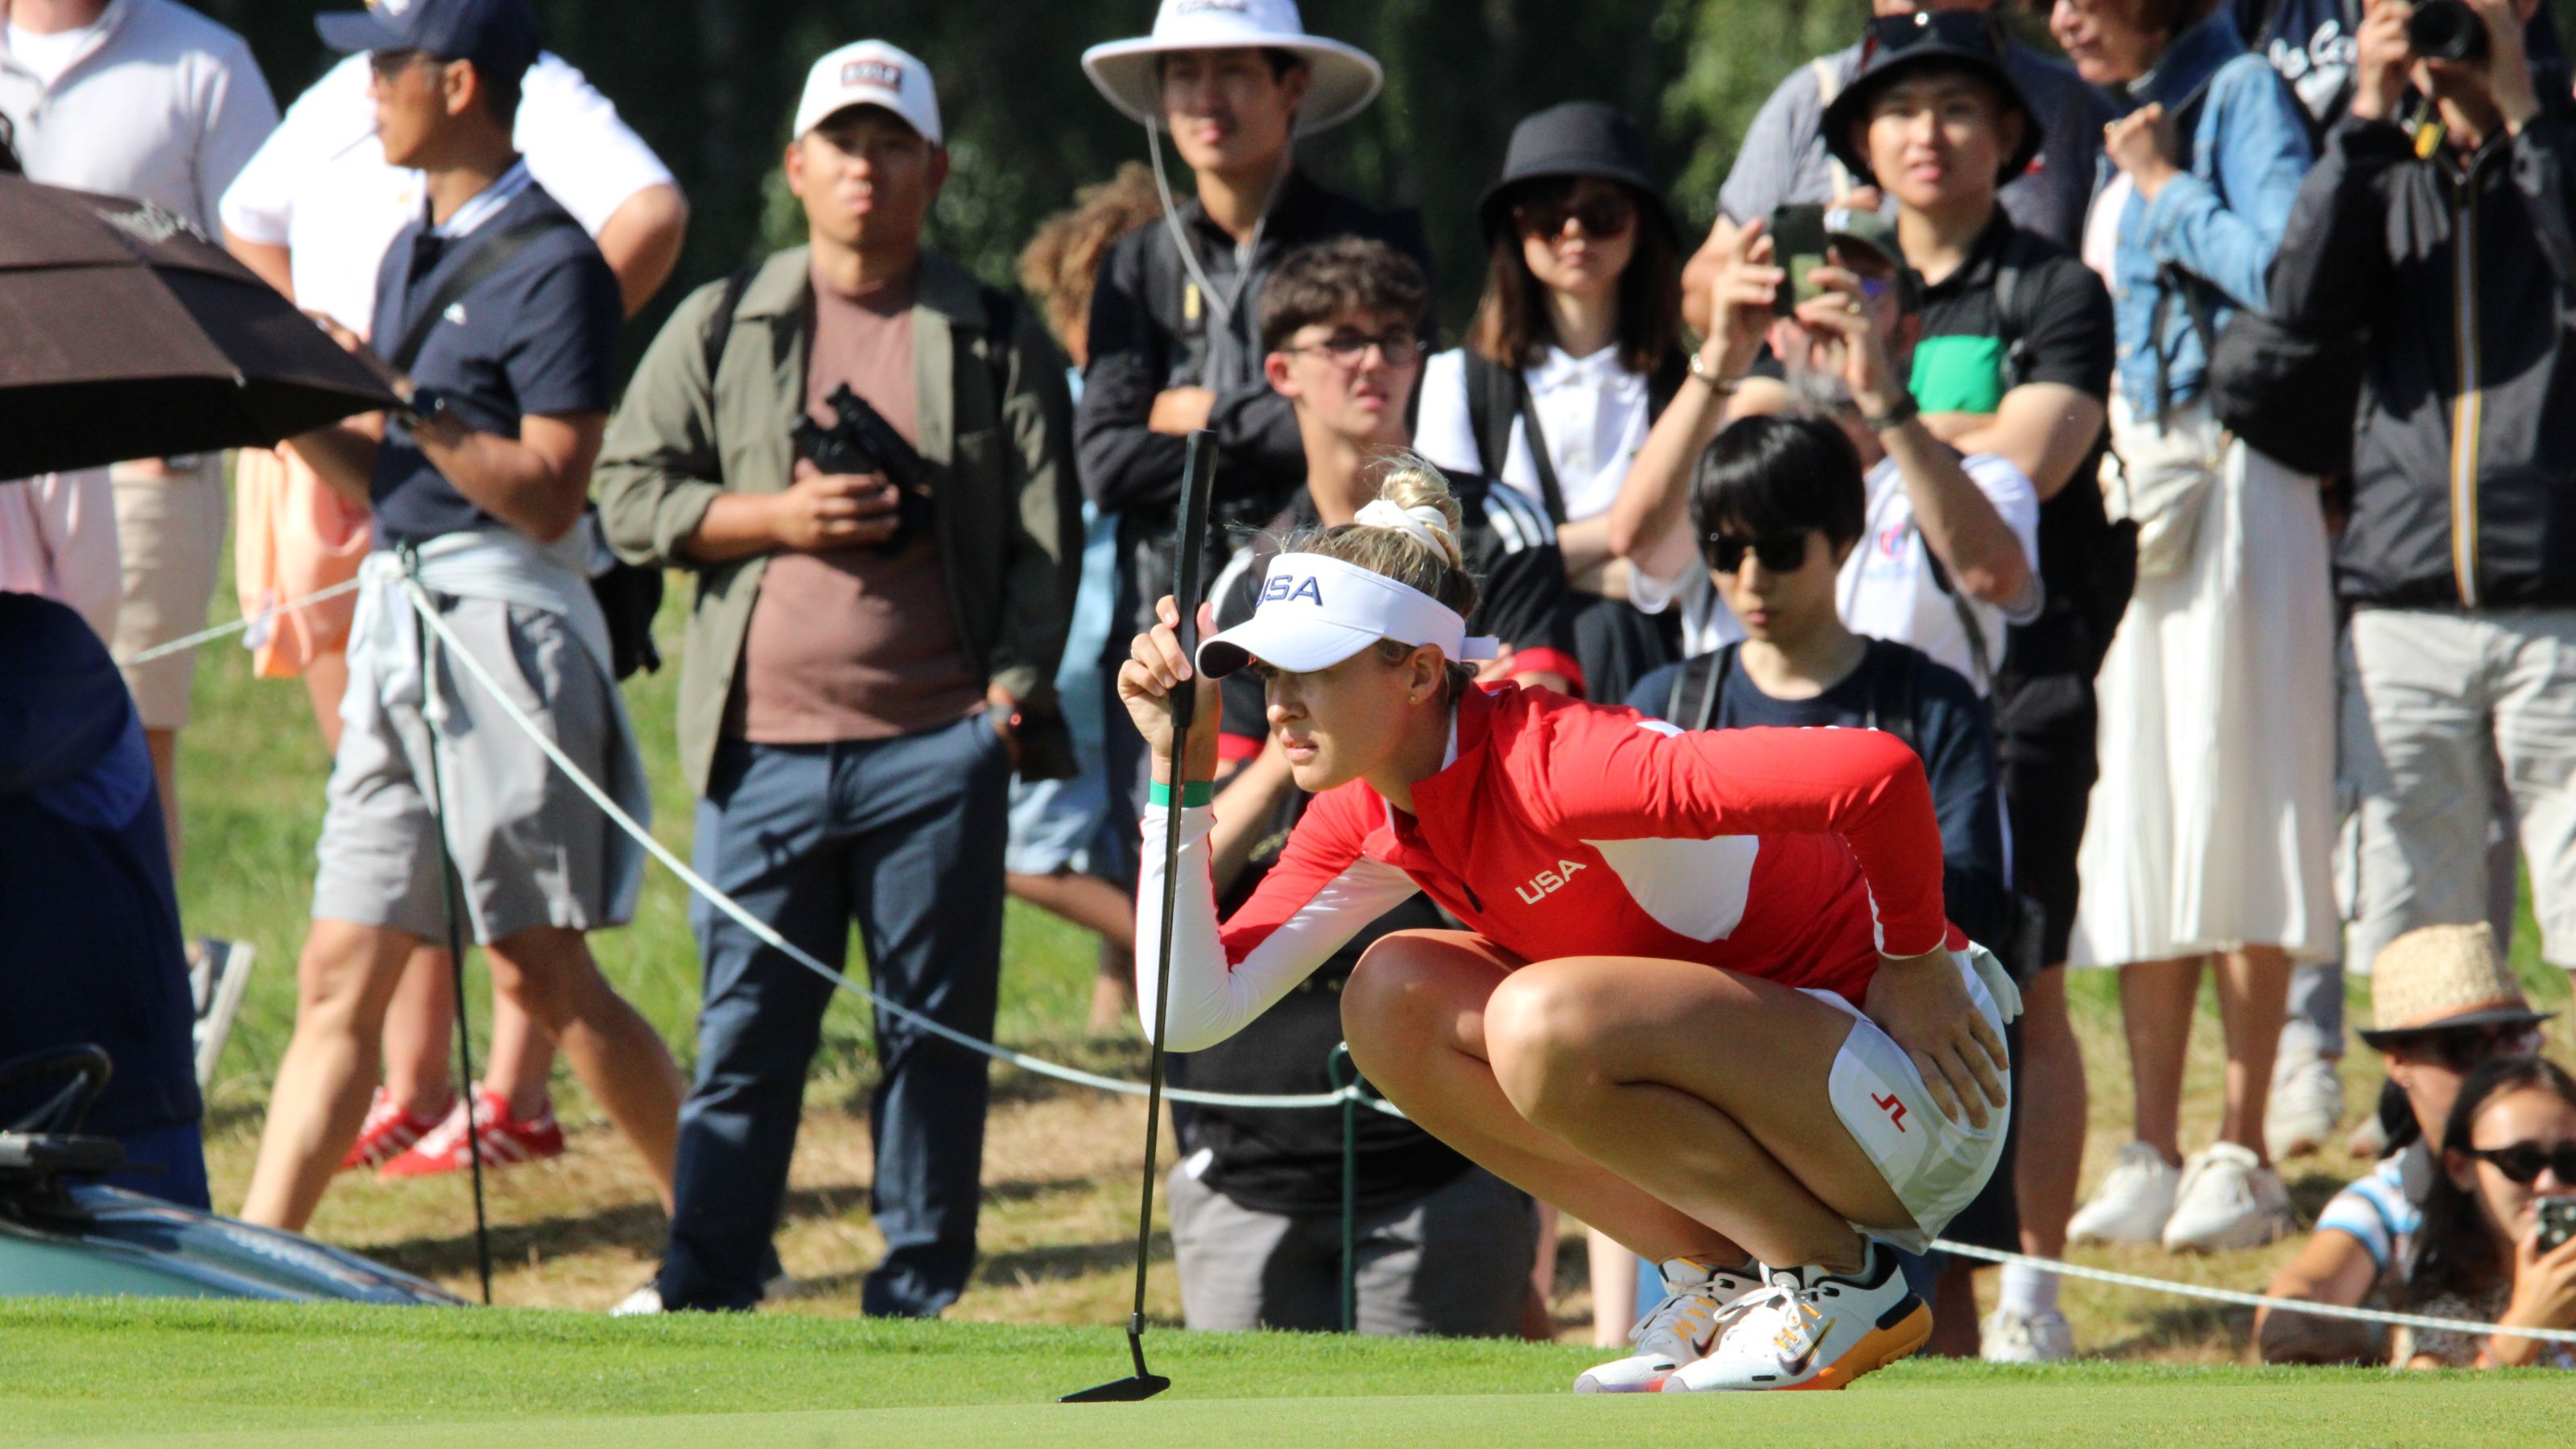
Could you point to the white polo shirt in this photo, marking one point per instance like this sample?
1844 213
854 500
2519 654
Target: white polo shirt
155 102
1592 410
321 187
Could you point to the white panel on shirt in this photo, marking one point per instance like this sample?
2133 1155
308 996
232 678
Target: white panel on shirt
1592 409
1694 888
1887 589
320 186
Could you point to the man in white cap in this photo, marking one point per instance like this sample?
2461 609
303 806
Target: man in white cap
869 638
1175 330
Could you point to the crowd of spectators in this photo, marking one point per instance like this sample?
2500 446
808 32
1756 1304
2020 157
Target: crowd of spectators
1938 431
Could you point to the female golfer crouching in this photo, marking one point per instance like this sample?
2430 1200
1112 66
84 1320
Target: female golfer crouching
1706 1002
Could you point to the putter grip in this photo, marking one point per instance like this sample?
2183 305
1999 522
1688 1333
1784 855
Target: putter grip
1198 485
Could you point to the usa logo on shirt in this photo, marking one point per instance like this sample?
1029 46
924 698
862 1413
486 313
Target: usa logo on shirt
1281 589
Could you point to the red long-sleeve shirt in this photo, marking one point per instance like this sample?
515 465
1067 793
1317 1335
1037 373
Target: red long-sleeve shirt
1567 829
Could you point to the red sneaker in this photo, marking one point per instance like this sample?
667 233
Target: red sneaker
504 1140
387 1133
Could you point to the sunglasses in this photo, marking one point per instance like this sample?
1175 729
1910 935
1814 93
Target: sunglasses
2522 1161
1400 348
1604 214
1955 28
1781 553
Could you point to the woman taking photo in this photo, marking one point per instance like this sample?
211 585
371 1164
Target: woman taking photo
1706 998
2508 1149
1574 351
2217 694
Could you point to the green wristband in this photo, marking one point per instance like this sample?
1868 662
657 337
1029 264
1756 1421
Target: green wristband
1193 794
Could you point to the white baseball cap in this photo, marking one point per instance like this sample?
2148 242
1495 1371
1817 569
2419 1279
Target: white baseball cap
870 73
1317 611
1346 78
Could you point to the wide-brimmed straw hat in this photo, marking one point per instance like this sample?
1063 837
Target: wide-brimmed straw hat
1576 138
2443 978
1346 78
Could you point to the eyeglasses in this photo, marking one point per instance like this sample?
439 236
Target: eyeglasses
2522 1161
1959 28
1349 348
386 64
1604 214
1780 553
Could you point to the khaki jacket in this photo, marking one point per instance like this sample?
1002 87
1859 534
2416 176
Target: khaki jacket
1009 512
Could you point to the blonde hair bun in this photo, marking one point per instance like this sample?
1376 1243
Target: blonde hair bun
1417 493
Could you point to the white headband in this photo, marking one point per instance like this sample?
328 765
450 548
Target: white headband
1425 524
1316 612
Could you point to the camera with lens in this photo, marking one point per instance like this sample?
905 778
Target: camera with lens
2446 30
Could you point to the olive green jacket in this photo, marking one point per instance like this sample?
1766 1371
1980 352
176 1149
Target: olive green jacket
1009 511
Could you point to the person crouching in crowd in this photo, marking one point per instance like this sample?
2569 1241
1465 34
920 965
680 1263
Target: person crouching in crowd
2485 1251
868 638
1574 352
480 489
1442 1246
2444 1005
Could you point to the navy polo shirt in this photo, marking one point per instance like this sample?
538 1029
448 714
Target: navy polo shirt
537 336
89 925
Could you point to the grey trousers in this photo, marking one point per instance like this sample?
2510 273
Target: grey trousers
1455 1262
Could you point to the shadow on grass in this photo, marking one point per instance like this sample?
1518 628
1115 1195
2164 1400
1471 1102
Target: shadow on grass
2195 1327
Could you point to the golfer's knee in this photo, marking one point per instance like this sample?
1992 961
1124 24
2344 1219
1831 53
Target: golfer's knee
1390 1006
1540 1032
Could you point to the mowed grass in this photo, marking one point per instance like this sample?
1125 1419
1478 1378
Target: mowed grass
1060 1163
97 1374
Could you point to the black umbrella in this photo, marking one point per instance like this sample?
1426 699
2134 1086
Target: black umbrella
125 333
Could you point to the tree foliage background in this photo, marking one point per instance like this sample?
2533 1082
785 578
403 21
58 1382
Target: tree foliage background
710 83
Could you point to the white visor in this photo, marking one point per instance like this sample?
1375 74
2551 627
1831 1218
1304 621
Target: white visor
1316 612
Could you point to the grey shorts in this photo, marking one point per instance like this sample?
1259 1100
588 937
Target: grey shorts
1454 1262
530 849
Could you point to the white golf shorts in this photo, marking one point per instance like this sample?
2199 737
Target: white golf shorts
1936 1166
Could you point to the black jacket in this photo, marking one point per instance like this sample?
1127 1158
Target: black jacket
1149 332
2462 275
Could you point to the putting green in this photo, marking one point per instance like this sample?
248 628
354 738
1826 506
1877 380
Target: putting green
102 1373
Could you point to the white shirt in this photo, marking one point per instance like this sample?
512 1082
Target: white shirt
1887 589
50 55
58 539
321 187
156 102
1592 411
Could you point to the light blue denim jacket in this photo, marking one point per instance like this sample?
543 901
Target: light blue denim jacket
2221 220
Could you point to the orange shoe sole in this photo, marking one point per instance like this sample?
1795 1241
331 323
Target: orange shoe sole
1884 1346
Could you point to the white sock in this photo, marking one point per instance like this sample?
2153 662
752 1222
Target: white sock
2027 1291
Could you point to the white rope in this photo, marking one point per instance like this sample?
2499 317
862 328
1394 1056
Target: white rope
235 626
2253 1300
457 652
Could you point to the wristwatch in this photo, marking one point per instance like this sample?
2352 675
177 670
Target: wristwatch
1700 369
427 405
1904 410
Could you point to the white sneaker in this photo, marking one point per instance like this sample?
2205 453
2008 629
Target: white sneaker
2369 1140
1813 1330
2132 1204
1680 1330
2010 1337
2306 1107
216 980
644 1302
2228 1200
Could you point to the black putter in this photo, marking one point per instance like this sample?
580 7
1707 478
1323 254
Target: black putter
1198 481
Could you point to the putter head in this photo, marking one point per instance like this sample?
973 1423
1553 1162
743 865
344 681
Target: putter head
1128 1390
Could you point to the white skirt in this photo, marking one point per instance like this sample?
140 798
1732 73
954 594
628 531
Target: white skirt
2212 825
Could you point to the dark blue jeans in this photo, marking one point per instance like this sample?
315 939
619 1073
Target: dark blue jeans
905 836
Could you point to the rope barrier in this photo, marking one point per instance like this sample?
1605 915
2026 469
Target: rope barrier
2252 1300
236 626
456 651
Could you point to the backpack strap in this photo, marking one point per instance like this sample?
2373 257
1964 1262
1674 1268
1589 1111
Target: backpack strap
1496 397
491 253
2012 325
720 326
1892 693
1697 688
1980 667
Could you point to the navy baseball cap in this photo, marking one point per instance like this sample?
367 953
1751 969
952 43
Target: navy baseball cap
499 36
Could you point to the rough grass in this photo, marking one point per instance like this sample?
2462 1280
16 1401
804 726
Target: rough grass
221 1374
1060 1165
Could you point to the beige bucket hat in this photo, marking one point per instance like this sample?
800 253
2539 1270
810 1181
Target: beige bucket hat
2441 978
